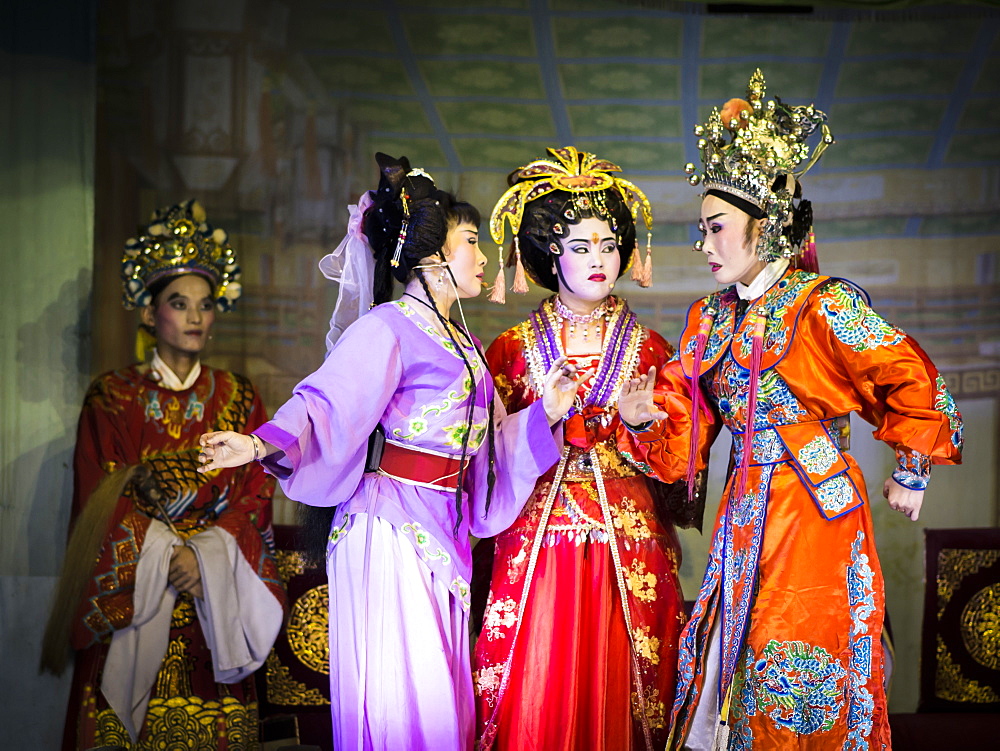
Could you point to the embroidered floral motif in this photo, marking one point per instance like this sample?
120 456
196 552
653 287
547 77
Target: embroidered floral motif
501 614
750 507
853 322
640 582
944 403
646 646
656 713
799 686
776 404
460 588
455 432
337 531
632 523
424 541
818 455
835 494
861 600
487 682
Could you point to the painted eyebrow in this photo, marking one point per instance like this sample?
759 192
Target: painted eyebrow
716 216
587 240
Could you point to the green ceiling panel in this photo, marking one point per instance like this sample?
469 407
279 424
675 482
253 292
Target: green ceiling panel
322 27
912 76
976 224
861 117
483 79
507 154
836 229
642 37
969 149
366 75
481 34
879 151
422 152
939 36
793 82
502 119
981 113
625 120
637 155
737 37
395 116
608 80
989 79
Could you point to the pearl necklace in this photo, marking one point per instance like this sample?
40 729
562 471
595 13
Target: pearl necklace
603 310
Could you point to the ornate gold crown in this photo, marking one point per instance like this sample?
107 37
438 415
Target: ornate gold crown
577 172
768 141
179 241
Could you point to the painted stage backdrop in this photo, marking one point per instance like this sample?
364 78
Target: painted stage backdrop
270 112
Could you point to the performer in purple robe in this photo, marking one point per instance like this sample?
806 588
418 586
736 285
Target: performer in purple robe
398 551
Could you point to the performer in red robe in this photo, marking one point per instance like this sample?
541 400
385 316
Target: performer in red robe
579 639
183 602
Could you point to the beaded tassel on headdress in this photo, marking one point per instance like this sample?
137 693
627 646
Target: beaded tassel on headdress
520 286
498 293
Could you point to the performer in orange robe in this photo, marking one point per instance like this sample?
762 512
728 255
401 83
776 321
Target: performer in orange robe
579 640
166 651
783 646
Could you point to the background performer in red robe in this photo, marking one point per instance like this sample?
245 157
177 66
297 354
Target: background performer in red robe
183 602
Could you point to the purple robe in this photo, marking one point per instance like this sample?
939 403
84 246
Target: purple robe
399 576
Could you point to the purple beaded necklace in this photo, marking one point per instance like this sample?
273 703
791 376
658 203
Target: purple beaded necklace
613 354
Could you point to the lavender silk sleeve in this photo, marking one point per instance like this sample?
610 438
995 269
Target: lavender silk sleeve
322 431
526 447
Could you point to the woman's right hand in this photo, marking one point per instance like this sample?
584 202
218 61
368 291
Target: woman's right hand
223 449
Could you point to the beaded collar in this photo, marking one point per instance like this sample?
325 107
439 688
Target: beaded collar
542 337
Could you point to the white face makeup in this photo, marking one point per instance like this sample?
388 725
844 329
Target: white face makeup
182 316
466 261
588 267
730 257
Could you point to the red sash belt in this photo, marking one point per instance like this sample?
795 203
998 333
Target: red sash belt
418 467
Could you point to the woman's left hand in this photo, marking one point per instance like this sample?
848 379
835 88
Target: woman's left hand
635 405
559 392
901 499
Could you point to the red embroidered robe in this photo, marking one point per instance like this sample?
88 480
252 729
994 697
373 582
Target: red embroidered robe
127 419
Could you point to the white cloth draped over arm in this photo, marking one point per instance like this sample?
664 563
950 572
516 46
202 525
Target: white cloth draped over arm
526 448
136 652
323 428
239 616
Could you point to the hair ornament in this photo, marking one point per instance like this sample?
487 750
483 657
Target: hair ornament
581 174
178 240
747 146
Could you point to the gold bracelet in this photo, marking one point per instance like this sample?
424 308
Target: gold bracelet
257 450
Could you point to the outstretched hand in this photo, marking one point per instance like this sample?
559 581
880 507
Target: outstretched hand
903 500
559 391
224 448
635 405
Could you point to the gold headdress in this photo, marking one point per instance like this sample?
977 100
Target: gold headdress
585 177
768 141
179 241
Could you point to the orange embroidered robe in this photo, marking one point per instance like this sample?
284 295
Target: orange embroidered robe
793 579
572 656
127 419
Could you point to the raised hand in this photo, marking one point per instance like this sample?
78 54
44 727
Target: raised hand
635 404
559 391
224 448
